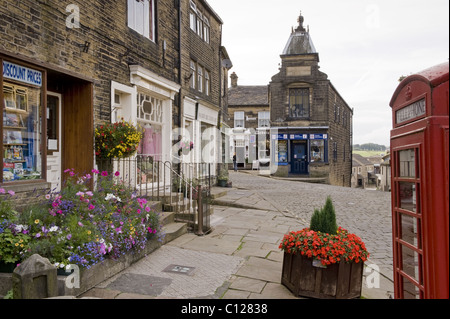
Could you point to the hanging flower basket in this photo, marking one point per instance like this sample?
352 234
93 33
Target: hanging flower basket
117 140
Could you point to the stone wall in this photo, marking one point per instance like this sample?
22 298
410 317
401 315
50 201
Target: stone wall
194 48
37 30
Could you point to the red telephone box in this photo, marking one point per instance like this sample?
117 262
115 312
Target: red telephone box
420 192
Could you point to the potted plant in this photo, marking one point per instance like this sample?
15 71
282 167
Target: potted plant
324 260
222 179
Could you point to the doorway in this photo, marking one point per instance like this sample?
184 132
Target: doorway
299 157
54 140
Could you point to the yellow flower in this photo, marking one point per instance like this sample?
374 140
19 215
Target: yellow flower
21 241
88 232
21 245
17 244
36 221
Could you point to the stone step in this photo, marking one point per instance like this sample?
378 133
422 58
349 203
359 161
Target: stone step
173 230
166 218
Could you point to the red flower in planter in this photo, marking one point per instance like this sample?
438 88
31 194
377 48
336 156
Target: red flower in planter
329 249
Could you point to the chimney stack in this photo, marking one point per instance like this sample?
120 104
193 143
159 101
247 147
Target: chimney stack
234 80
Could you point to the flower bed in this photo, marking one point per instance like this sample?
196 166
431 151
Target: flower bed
78 226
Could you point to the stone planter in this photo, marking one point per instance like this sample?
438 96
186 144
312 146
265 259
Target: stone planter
222 183
338 281
7 267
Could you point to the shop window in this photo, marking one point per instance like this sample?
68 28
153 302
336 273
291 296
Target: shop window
22 132
317 151
150 119
299 103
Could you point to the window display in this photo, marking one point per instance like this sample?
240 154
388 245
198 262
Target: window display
21 132
317 151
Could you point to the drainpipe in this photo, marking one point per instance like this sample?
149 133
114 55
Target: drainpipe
179 70
179 62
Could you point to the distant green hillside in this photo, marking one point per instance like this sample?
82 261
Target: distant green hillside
369 153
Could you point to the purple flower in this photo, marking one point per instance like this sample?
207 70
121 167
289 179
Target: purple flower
12 193
69 236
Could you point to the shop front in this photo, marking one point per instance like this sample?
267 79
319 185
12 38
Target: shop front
293 152
35 151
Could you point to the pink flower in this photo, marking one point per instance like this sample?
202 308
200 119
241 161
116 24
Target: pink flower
117 173
104 173
2 191
12 193
91 207
95 171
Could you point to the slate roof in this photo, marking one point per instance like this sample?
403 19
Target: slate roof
248 95
359 160
300 41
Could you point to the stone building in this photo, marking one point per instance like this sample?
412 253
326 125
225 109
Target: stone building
311 124
249 118
363 172
79 64
204 73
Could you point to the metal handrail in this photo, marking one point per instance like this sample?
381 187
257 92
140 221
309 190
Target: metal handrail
156 180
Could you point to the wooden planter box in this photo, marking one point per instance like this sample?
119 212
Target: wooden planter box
339 281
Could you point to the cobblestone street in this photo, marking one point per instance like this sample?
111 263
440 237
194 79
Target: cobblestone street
367 213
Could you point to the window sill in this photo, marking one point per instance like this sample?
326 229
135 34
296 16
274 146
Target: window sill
26 186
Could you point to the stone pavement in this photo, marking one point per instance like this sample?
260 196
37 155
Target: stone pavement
240 258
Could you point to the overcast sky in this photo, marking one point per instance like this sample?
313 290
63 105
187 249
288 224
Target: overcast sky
364 46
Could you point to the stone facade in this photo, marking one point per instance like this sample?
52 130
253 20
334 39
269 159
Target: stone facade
249 111
99 63
311 122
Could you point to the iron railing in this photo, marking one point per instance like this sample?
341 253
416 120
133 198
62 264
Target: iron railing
181 187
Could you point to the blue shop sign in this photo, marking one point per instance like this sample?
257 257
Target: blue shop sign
22 74
318 137
280 137
298 137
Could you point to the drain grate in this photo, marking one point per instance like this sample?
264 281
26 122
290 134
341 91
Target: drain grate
177 269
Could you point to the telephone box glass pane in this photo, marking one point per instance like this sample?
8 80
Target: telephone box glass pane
408 196
411 260
409 230
407 163
410 291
